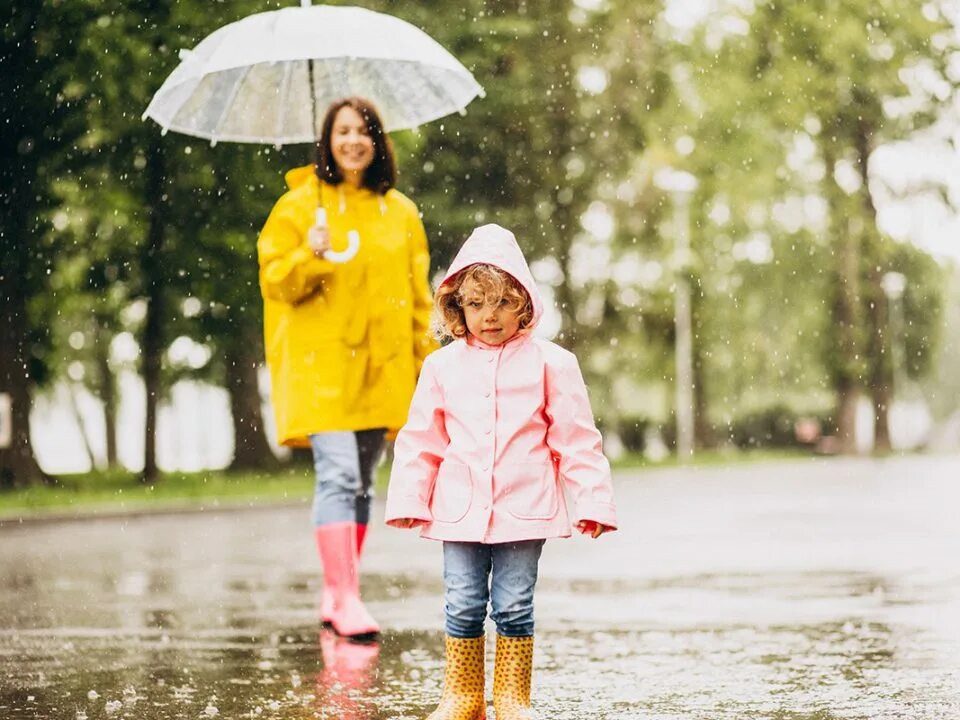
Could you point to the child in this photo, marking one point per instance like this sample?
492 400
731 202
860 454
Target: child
498 421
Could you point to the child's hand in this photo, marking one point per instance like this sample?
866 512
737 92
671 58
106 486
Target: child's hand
408 523
592 528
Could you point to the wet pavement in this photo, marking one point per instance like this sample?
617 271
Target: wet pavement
807 590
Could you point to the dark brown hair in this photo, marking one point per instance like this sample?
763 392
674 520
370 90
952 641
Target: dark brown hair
382 173
495 284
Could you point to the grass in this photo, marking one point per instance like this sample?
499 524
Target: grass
120 491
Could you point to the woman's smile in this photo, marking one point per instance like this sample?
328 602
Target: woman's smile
351 144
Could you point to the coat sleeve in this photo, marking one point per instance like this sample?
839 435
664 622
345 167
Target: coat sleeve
418 452
289 271
423 343
575 442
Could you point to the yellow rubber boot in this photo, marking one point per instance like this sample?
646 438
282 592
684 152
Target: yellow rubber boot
512 673
462 697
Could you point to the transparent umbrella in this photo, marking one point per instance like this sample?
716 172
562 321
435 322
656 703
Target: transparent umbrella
268 77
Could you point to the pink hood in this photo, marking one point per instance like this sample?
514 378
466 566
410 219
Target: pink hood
495 245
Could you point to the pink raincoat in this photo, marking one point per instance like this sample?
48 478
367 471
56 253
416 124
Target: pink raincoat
496 433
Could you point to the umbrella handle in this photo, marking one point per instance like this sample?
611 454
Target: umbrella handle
353 241
342 256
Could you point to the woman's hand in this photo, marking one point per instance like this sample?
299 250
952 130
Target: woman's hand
407 523
318 238
592 528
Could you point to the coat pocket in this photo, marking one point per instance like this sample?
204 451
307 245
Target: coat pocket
532 492
452 493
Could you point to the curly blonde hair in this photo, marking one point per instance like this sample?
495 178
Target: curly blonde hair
495 284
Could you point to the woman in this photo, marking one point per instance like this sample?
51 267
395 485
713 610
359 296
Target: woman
344 341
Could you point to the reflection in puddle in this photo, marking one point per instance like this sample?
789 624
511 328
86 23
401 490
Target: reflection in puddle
346 683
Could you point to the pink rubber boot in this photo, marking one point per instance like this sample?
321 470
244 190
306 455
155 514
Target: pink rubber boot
326 597
337 544
361 536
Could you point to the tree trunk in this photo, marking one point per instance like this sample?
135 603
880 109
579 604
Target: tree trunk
880 379
846 318
566 300
703 429
704 432
881 366
558 122
847 365
251 449
882 398
71 393
18 467
108 393
151 262
848 323
846 415
19 241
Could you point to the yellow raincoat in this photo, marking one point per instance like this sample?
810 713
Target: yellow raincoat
344 343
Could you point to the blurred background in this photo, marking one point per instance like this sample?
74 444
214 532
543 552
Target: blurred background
743 213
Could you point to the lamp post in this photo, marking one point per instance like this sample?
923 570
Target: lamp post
681 186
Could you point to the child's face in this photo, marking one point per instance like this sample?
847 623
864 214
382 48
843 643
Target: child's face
494 323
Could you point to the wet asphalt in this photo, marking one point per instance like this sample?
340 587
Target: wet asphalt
801 590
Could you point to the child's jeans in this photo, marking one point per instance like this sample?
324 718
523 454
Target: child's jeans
343 464
504 574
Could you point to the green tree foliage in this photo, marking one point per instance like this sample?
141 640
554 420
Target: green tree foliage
39 121
840 66
156 218
110 227
776 109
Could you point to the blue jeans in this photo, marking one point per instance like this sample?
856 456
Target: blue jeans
343 463
504 574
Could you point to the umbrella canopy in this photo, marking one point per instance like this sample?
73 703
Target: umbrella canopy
269 77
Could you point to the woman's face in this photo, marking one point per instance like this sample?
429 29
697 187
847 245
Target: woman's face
350 143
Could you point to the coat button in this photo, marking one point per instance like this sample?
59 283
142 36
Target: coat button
487 431
487 394
490 359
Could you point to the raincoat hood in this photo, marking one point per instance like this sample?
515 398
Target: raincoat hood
497 246
299 176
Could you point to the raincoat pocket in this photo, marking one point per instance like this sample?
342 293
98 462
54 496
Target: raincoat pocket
312 322
452 494
532 492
